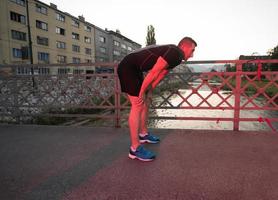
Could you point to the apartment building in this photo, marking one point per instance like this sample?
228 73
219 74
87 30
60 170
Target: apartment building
55 36
103 45
112 46
121 45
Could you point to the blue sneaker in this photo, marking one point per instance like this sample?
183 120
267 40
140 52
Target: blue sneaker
149 139
141 154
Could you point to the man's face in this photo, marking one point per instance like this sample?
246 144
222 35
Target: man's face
188 51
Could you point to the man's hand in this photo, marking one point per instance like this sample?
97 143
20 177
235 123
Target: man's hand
152 76
147 95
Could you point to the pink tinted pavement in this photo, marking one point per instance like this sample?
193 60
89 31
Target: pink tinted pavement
190 164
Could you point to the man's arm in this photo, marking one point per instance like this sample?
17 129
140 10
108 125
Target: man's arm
153 75
159 78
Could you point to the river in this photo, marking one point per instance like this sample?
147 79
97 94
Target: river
213 100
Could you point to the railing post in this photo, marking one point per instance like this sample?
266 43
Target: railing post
117 99
237 96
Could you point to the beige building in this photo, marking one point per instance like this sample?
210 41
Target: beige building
56 37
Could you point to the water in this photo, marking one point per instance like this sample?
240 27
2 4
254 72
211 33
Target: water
213 100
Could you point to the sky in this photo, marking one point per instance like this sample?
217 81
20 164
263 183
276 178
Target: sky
223 29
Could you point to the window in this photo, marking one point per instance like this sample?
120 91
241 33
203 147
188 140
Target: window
23 70
60 45
78 71
41 9
75 23
116 43
102 50
88 28
88 61
129 48
75 60
17 35
42 40
87 40
43 57
75 36
63 70
102 39
19 2
88 51
117 53
20 53
44 71
60 31
41 25
17 53
60 17
75 48
61 59
123 46
18 17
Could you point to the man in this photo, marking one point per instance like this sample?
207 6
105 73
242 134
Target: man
157 60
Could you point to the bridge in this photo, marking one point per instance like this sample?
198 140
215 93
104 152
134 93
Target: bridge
71 161
65 162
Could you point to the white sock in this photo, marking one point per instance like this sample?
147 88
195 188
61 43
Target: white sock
143 134
132 149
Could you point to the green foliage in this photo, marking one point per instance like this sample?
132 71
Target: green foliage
230 68
274 55
150 39
172 86
274 52
251 90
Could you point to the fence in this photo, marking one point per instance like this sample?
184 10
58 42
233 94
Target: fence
73 91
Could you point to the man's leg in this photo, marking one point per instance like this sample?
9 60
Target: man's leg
134 119
137 151
143 128
144 135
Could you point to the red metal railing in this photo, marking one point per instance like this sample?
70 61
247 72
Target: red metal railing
97 95
239 99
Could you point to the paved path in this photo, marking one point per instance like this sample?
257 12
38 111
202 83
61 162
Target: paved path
86 163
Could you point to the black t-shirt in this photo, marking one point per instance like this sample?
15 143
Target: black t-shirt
145 58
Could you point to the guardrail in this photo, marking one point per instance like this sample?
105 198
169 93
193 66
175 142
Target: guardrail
238 91
76 91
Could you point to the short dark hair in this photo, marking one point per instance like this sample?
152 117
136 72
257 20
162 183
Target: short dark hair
186 40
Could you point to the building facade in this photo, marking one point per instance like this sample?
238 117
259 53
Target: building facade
102 48
112 47
34 32
121 46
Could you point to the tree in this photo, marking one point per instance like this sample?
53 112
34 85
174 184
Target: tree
274 55
274 52
150 39
230 68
